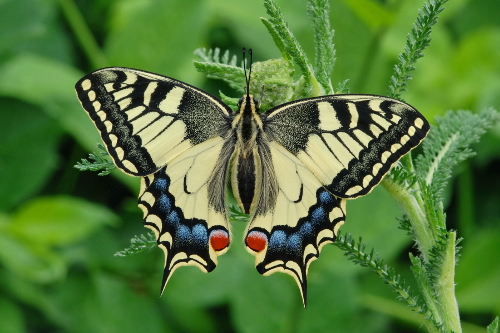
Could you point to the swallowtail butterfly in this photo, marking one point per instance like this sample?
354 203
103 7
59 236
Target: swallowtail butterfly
291 168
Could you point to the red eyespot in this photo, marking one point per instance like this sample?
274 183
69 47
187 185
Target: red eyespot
256 240
219 240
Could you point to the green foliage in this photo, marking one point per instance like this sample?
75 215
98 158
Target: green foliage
418 40
449 144
493 327
139 244
99 162
57 269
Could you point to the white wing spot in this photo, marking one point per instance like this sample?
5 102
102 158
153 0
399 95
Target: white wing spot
367 180
91 95
376 168
129 166
353 190
395 147
375 130
385 156
96 105
102 115
114 139
120 153
362 137
131 78
419 123
411 131
109 87
86 84
405 139
109 126
374 104
381 121
395 118
335 213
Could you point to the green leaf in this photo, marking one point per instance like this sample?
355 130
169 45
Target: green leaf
293 50
28 152
139 244
319 13
23 260
50 85
59 220
143 35
102 305
31 26
448 144
12 317
418 40
372 13
493 327
233 75
478 272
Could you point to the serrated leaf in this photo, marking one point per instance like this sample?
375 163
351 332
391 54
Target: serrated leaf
448 144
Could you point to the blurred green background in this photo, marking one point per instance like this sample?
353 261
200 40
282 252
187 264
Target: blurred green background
59 227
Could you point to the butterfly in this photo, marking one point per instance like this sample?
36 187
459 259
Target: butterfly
291 168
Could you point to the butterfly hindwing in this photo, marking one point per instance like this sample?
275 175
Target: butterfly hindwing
348 141
146 119
175 202
305 217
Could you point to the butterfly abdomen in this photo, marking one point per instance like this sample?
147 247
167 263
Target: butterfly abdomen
246 181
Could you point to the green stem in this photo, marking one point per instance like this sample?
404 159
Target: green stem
445 286
413 208
83 34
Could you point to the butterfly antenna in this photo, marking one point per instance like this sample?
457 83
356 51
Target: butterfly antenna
249 73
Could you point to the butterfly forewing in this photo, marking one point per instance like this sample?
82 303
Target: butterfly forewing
349 142
146 119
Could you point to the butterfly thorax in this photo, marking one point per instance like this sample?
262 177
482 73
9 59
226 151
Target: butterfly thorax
247 126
